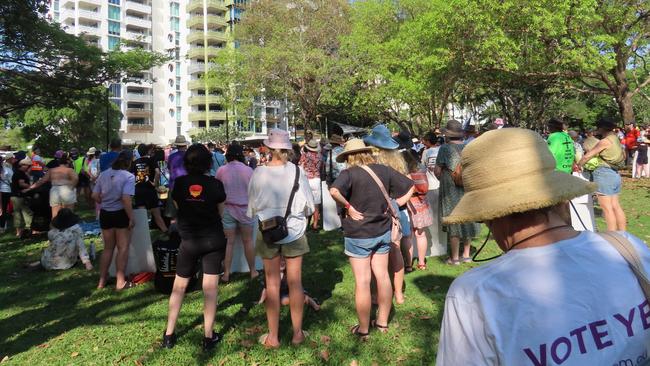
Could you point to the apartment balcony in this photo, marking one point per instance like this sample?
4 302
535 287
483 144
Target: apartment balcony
196 84
208 116
198 21
88 2
203 52
138 22
196 67
205 99
139 97
199 35
89 30
139 128
137 7
66 14
138 37
211 4
89 15
138 113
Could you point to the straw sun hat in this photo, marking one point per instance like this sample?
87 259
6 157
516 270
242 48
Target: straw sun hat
353 146
508 171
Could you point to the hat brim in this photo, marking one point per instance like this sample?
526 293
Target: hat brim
340 158
520 195
277 145
451 133
314 149
385 144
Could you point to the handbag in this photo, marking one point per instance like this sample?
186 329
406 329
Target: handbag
275 229
396 227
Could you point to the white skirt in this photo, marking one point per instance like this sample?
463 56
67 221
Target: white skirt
315 186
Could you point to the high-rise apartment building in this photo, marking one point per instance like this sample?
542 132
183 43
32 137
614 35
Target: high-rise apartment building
171 99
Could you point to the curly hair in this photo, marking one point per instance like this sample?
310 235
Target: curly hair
392 159
197 159
359 159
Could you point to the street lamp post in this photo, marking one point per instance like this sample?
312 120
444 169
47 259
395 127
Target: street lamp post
108 124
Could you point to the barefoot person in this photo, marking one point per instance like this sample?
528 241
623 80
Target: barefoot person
235 176
113 191
367 227
556 295
199 199
280 190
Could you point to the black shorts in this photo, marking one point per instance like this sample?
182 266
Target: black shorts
146 197
210 250
84 181
113 219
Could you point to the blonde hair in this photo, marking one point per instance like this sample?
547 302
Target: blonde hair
392 159
362 158
280 154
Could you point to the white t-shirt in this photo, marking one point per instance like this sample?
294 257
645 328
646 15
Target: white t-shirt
575 302
429 157
268 196
5 179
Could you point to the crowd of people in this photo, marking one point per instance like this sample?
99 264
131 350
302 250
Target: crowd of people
392 190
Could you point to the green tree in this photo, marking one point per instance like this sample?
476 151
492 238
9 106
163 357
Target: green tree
216 135
290 49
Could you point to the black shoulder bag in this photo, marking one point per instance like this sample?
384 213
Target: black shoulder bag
275 229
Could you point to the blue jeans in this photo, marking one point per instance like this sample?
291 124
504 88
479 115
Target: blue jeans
608 180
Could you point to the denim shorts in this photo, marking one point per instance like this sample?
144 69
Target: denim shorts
231 223
405 222
363 248
608 181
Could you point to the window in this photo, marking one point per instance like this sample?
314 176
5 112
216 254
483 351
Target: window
201 124
115 2
178 114
174 24
171 97
115 90
170 82
113 12
173 9
113 28
113 42
178 83
178 71
178 99
171 112
170 67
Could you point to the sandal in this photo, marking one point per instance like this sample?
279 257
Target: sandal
452 262
262 340
127 285
362 336
422 267
466 260
380 328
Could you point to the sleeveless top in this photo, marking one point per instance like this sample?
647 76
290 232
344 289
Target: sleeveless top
613 156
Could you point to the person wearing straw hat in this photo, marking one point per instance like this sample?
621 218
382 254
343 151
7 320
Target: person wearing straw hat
450 194
367 227
281 189
332 166
556 295
611 158
310 161
386 152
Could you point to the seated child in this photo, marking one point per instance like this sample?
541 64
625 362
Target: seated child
284 290
66 244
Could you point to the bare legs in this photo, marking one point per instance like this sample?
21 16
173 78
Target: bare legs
315 218
114 238
422 243
613 213
210 291
249 251
272 301
158 219
363 269
455 247
397 268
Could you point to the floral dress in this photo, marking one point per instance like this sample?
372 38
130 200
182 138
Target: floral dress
64 249
450 193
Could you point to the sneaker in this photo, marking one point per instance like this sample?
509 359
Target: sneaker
210 343
169 341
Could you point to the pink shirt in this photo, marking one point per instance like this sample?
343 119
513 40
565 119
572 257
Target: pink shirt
235 177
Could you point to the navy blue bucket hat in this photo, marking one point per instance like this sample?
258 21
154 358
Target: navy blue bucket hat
381 137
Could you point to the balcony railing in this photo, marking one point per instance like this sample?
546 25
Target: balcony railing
91 2
144 23
139 113
199 35
88 14
196 84
88 29
203 52
196 67
139 37
137 97
141 8
139 128
208 116
211 4
198 20
203 99
65 14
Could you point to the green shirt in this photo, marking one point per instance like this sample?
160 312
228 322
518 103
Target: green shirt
561 146
79 164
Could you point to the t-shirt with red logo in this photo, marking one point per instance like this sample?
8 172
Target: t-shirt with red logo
197 198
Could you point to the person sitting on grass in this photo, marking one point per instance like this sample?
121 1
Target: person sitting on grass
284 290
66 244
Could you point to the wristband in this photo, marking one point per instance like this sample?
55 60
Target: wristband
347 206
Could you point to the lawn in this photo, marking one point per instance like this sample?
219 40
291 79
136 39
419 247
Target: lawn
59 318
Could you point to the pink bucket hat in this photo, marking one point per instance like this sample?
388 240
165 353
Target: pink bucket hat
278 139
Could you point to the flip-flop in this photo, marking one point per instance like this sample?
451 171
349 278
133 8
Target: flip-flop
262 340
127 285
466 260
422 267
452 262
380 328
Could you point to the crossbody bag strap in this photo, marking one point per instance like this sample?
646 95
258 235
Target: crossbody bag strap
626 249
382 189
293 193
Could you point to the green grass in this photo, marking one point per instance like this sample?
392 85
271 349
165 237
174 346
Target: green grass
58 318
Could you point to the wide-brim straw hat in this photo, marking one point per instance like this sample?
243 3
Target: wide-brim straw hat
353 146
381 137
509 171
312 145
278 139
180 141
453 129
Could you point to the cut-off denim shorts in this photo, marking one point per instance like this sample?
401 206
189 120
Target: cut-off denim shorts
363 248
608 181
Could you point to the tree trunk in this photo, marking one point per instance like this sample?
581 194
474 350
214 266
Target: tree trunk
625 107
